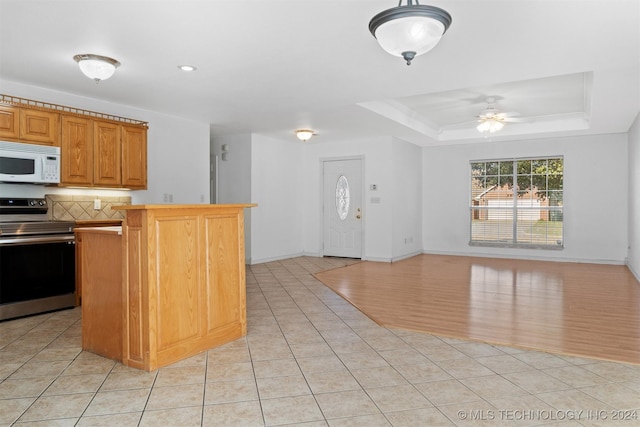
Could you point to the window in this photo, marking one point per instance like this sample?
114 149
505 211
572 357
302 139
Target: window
517 202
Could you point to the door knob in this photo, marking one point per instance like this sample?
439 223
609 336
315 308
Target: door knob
358 216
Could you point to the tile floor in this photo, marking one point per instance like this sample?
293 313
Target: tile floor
311 359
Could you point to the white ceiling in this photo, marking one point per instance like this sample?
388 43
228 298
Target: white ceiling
271 66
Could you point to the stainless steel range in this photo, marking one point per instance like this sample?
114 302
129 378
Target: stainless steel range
37 259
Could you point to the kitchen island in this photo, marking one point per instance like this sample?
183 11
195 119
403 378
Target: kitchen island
182 283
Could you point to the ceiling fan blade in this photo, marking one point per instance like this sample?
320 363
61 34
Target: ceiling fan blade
509 114
517 119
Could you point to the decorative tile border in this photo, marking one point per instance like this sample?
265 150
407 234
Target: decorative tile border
64 207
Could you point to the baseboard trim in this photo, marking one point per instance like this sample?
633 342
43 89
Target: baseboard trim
531 258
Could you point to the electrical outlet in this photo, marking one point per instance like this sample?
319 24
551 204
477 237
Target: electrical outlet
97 204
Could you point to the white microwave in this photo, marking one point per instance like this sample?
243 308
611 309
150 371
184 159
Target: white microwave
29 163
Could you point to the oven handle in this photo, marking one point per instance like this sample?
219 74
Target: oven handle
37 240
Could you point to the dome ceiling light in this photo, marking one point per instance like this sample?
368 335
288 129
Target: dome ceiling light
410 30
304 134
96 67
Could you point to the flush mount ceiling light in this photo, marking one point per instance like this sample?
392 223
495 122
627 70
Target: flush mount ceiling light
96 67
410 30
187 67
304 134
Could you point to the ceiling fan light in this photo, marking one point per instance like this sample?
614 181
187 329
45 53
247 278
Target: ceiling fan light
483 127
96 67
410 30
490 125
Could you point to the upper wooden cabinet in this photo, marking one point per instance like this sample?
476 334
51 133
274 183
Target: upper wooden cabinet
98 153
31 126
107 167
96 150
9 122
134 157
77 149
41 127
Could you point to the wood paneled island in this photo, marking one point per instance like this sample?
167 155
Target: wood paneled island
182 283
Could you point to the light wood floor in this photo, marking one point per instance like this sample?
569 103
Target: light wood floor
569 308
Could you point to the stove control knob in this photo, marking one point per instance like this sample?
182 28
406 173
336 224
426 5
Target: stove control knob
32 202
42 202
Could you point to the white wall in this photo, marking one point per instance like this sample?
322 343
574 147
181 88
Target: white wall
633 257
277 187
595 197
234 177
234 173
177 151
407 199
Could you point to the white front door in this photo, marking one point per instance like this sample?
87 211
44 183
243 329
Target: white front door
342 208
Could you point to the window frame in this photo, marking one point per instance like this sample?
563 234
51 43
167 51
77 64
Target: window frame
515 209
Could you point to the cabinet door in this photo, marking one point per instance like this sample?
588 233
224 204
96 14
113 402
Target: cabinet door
76 151
40 127
9 122
134 157
106 154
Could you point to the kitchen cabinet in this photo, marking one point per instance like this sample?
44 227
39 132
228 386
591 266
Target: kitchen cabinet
96 150
99 266
107 169
9 122
29 125
134 157
79 237
77 151
41 127
103 154
182 283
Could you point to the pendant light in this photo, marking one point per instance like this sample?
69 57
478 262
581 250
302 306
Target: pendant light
96 67
410 30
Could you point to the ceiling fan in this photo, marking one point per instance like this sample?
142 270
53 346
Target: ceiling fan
492 120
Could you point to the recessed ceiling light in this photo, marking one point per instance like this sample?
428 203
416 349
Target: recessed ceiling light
187 67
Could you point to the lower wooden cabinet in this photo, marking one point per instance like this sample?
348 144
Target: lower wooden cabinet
182 283
99 269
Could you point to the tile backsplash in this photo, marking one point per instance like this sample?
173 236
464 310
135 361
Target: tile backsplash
64 207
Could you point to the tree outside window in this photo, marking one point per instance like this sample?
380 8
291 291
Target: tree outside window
517 202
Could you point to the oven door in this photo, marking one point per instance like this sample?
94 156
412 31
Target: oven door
37 274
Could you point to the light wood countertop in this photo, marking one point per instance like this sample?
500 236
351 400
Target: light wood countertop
192 206
102 230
